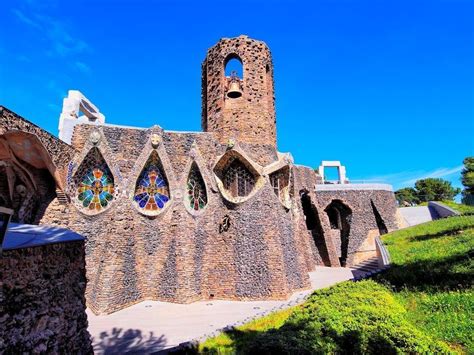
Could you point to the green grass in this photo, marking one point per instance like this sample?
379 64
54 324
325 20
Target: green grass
432 276
227 342
459 207
422 304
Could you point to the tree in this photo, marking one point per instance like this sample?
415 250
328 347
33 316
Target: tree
467 179
407 196
435 190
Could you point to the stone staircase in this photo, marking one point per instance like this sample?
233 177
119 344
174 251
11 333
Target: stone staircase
366 267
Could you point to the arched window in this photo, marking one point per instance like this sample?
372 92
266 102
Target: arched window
151 190
238 180
233 63
197 196
94 182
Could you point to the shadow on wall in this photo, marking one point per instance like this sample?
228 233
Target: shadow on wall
130 341
340 218
313 224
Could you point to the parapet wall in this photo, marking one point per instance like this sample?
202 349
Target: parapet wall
42 303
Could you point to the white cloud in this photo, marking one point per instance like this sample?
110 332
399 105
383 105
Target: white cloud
62 42
82 67
408 178
438 173
25 19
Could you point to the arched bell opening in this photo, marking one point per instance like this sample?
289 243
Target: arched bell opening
152 193
196 192
234 76
313 224
28 177
340 218
94 184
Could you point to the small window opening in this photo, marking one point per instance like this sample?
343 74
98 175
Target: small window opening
238 180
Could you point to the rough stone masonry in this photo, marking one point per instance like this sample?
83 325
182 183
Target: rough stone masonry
187 216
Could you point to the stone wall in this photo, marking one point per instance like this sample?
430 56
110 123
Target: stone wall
251 117
42 303
180 255
365 205
373 208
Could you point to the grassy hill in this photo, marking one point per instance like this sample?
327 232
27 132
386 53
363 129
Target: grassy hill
423 304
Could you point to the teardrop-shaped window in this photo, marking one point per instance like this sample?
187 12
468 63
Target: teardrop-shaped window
152 191
94 182
238 180
197 196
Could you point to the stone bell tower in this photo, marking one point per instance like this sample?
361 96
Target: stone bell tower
239 108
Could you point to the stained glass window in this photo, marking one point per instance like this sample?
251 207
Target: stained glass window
151 191
95 183
197 197
238 180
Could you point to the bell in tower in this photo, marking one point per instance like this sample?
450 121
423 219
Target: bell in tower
240 106
234 91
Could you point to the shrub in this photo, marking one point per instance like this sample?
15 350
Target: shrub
360 317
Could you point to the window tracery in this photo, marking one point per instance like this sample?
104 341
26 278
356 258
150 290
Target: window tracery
197 196
151 190
95 183
238 180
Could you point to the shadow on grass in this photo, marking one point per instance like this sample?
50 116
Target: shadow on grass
449 232
130 341
428 275
302 339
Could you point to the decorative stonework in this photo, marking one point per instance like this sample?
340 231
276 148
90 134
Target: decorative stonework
238 177
94 183
92 179
151 190
206 241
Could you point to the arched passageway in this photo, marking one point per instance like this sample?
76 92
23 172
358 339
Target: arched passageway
340 217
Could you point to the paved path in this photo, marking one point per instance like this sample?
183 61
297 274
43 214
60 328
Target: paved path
152 326
418 215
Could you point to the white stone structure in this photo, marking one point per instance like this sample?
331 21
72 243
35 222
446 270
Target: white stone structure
74 105
341 169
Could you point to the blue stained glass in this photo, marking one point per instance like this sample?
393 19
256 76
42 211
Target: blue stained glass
151 192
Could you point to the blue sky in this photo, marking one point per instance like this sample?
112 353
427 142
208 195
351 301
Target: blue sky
386 87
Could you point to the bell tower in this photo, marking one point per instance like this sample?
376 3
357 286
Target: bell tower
242 106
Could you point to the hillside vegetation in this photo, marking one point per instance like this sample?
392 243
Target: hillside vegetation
423 304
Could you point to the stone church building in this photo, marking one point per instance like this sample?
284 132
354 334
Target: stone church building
188 216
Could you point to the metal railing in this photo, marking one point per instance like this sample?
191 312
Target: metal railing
383 251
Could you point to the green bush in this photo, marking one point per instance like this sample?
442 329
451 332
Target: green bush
357 318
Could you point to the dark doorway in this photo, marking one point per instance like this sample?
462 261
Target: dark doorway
378 218
313 224
340 217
